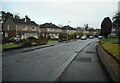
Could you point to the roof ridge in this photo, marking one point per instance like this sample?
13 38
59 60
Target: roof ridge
50 25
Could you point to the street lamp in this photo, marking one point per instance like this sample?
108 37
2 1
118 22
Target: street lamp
67 30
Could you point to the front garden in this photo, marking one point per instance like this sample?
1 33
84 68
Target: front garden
30 41
9 45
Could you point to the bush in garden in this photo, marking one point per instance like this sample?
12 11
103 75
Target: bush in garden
62 37
29 41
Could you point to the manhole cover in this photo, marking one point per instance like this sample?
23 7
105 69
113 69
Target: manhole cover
90 52
85 59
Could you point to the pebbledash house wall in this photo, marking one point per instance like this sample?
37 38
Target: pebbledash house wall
10 29
54 31
45 32
69 32
29 30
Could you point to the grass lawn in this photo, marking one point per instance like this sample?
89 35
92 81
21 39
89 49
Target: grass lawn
52 41
7 46
112 47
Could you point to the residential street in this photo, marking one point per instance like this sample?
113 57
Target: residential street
50 40
40 64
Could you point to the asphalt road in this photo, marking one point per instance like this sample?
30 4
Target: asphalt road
41 64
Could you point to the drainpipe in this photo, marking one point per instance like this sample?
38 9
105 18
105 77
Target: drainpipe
16 30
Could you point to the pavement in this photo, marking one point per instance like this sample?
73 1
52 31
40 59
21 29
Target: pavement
86 66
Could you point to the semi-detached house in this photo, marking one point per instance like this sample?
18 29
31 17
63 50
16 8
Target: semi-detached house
20 28
49 30
68 30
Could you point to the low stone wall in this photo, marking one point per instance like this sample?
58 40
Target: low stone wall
110 63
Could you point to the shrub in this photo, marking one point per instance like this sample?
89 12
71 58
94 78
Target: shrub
28 41
62 37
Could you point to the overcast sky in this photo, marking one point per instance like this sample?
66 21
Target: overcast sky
78 12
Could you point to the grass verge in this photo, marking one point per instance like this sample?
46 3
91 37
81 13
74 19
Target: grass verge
112 47
8 46
52 41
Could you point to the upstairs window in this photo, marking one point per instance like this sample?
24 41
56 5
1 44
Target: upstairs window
8 27
48 29
33 28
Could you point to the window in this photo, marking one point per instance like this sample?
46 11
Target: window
8 27
33 28
6 34
48 29
24 27
43 34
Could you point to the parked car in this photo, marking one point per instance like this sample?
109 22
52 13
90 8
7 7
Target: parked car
100 37
95 36
14 39
83 37
91 37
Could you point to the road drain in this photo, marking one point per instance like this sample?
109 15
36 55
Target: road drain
90 52
76 51
85 59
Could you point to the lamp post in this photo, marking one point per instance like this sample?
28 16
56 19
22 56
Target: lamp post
1 32
67 30
86 28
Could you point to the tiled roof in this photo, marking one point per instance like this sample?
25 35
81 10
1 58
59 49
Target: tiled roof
68 28
21 21
49 25
80 29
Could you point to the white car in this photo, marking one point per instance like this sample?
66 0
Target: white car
14 39
91 37
100 37
84 37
